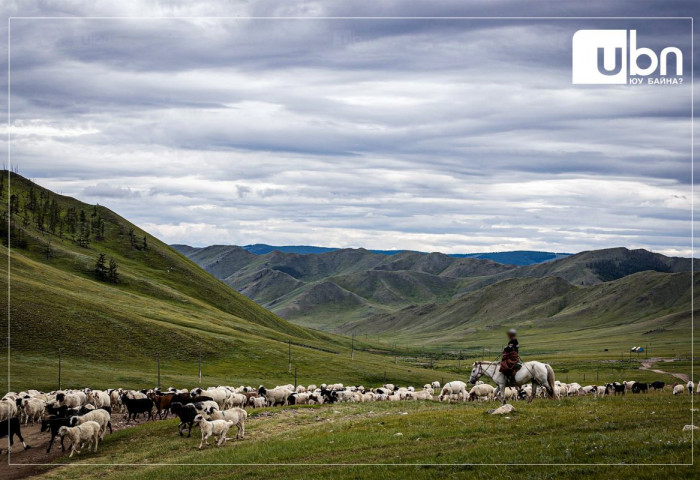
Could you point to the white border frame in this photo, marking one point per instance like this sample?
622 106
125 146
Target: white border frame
692 230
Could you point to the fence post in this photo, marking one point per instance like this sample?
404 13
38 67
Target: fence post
158 385
459 362
289 357
295 378
59 367
200 364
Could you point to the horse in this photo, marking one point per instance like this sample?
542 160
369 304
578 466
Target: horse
537 372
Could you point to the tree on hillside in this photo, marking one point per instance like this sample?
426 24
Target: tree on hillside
112 274
101 271
145 243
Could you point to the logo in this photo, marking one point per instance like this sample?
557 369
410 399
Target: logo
613 57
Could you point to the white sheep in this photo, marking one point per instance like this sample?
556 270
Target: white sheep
236 415
456 387
205 405
216 428
482 392
33 409
574 389
599 391
678 389
257 402
435 384
99 416
88 432
99 399
237 400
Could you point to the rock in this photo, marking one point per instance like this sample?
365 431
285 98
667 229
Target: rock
502 410
690 427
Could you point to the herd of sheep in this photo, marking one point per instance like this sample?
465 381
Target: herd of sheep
84 416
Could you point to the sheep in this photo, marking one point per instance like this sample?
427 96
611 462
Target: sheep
54 423
236 415
690 386
510 393
456 387
599 391
115 400
587 389
481 392
88 432
216 428
99 399
100 416
8 408
423 395
237 400
299 399
574 389
678 389
276 396
311 388
257 402
135 406
435 384
33 409
11 429
70 400
186 414
201 406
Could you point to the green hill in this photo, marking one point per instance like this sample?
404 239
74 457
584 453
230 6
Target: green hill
643 307
162 304
355 290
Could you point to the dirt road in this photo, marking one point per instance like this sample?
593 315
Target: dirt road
25 463
649 363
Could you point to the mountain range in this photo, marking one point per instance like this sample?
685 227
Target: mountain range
439 297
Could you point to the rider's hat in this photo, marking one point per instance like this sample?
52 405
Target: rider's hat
512 331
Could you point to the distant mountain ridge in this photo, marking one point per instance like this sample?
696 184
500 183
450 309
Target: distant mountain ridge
346 289
516 257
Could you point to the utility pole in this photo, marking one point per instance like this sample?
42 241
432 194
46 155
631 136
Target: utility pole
158 385
295 378
483 352
59 367
200 364
289 357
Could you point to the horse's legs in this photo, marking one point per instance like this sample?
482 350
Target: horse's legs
533 391
501 390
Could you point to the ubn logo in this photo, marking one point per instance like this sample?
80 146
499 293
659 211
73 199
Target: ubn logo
610 57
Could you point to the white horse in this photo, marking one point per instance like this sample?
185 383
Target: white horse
537 372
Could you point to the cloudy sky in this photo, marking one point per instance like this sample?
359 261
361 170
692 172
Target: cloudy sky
450 135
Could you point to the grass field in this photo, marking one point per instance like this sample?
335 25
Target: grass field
636 429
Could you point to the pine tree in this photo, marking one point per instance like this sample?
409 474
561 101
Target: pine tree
101 271
113 275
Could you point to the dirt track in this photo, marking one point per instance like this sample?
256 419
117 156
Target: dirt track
24 462
648 363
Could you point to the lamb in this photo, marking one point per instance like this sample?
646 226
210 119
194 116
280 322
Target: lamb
99 416
216 428
678 389
88 432
456 387
257 402
236 415
33 409
54 423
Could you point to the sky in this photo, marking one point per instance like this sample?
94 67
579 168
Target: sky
451 135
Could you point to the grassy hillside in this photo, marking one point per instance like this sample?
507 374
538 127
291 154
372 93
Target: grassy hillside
162 304
647 307
603 437
328 289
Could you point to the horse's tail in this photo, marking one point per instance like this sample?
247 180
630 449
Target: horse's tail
550 380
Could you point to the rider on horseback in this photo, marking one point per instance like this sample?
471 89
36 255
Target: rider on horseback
510 360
